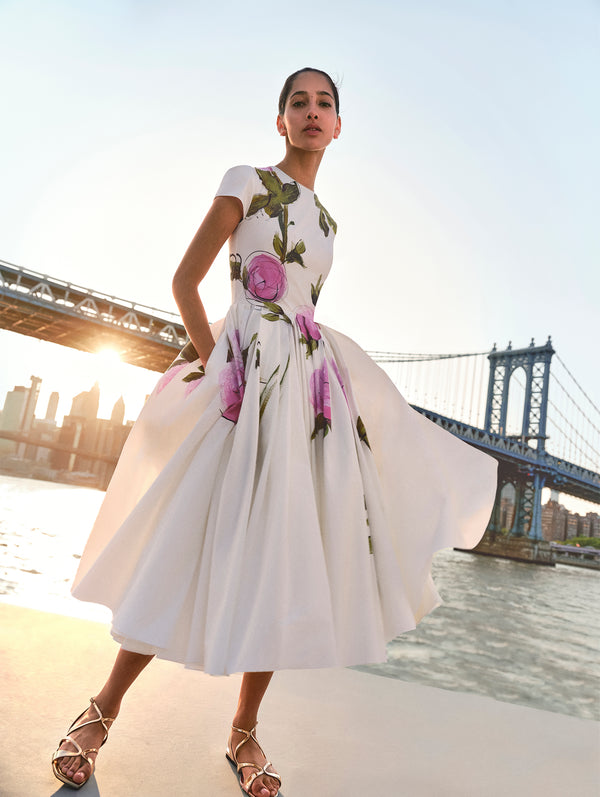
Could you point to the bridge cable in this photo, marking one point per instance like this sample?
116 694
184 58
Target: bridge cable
572 400
577 383
400 357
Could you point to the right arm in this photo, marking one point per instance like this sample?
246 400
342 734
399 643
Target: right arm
219 223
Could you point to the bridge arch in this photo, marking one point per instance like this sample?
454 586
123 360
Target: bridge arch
515 408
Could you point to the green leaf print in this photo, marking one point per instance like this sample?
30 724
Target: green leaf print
315 290
259 201
369 538
279 194
277 312
362 432
247 349
278 246
311 345
194 375
295 254
324 218
285 370
187 355
321 424
265 393
269 387
235 267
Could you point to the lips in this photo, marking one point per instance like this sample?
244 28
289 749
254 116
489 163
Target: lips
311 129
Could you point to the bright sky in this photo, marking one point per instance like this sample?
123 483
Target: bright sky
465 181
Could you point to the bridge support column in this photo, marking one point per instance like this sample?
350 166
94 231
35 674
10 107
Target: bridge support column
528 506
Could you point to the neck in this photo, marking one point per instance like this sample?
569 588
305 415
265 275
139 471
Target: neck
301 165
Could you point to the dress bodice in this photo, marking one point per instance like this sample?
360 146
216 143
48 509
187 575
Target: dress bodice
282 250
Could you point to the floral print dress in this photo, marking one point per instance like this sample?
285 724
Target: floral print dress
279 508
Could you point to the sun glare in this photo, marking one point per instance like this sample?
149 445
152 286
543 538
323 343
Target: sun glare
109 356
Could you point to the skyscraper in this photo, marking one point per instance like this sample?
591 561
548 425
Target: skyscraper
52 406
85 405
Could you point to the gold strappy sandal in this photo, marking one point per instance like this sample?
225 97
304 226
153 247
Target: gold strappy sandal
232 756
60 753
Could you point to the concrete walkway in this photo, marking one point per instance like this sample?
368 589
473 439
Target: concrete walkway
331 733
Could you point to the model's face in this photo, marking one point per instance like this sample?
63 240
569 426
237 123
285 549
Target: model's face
310 120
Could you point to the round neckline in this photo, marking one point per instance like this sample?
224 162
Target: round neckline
289 177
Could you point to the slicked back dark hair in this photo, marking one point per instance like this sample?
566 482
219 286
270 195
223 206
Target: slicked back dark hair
287 87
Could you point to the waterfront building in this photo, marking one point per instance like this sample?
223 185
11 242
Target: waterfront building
52 406
572 526
117 415
29 414
554 521
12 415
85 405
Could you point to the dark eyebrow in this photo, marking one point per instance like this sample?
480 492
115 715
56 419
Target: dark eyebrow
318 92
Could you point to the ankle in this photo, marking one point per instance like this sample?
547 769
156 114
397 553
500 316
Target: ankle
108 705
245 721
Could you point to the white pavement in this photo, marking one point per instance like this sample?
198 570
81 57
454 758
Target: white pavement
330 733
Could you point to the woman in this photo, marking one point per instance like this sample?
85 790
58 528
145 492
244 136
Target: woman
277 504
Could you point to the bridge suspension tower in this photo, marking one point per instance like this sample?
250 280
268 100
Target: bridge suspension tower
527 482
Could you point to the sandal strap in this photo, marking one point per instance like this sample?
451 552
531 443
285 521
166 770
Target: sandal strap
79 752
264 771
100 718
250 735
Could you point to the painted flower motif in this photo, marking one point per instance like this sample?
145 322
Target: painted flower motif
168 376
362 432
320 400
231 381
265 278
306 323
310 333
193 379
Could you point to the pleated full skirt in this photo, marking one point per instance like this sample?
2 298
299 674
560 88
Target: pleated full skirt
286 520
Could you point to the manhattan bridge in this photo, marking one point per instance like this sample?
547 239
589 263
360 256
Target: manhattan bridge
521 405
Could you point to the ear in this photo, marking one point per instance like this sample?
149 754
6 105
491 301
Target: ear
338 127
281 126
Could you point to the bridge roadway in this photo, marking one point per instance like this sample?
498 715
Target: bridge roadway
518 456
32 440
43 307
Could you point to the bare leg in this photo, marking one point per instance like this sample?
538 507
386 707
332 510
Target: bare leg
126 669
254 686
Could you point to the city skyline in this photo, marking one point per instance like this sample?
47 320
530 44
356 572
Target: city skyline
559 511
83 449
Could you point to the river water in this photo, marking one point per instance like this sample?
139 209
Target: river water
519 633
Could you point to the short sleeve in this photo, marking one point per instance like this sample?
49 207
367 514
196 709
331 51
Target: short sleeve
238 182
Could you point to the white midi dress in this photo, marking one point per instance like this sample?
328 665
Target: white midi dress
279 508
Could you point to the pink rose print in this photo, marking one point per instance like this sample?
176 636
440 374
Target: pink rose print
305 320
168 376
191 386
266 279
231 381
320 399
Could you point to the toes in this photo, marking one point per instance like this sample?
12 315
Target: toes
76 769
263 787
79 777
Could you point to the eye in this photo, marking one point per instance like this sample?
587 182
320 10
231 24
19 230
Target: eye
325 104
297 104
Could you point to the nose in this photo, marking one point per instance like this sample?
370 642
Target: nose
312 114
